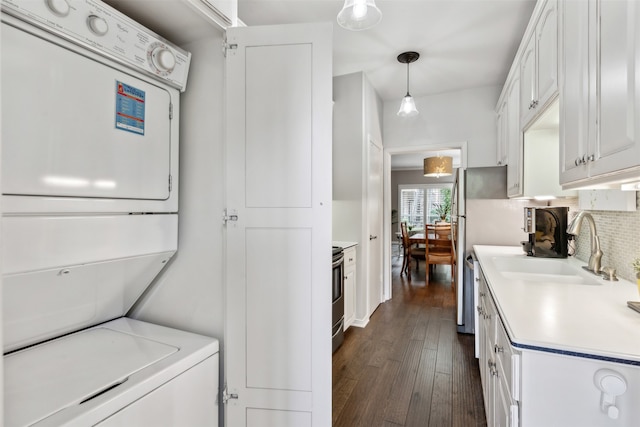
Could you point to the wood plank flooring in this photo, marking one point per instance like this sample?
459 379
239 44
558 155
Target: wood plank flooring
409 366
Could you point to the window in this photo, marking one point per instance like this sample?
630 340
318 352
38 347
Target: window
419 204
412 207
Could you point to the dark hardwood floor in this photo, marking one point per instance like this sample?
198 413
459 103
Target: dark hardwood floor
409 366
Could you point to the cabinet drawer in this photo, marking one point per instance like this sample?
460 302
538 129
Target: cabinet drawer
349 257
507 361
490 317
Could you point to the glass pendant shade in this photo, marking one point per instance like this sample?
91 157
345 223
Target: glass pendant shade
438 166
359 15
407 107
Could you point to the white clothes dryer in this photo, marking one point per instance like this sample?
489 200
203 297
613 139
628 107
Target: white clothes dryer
90 114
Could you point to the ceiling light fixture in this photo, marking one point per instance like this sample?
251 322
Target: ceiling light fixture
408 105
359 15
438 166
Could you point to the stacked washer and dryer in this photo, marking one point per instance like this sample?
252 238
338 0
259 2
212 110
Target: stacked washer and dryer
89 175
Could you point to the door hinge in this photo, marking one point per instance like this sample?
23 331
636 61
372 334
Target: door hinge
226 46
170 111
226 396
232 215
170 183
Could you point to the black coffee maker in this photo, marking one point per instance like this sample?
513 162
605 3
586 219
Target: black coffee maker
547 229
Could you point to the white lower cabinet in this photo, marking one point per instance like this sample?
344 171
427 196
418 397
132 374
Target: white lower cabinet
349 286
527 387
499 365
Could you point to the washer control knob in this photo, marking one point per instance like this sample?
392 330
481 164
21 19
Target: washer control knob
163 59
59 7
97 25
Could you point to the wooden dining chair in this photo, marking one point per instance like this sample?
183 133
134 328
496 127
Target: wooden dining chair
410 252
438 250
440 231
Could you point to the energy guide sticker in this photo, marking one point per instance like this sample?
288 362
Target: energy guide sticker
129 108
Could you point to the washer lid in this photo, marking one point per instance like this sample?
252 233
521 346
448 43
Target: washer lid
42 380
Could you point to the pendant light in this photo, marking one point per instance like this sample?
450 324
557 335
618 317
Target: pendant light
359 15
438 166
408 105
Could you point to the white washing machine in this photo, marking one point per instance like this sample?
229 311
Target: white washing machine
90 121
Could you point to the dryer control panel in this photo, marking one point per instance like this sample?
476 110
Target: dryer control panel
104 30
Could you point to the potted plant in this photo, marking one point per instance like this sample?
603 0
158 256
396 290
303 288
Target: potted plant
441 210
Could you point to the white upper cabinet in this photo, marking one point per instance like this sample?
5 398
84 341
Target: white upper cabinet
574 90
618 50
547 54
539 64
600 94
514 140
502 131
528 80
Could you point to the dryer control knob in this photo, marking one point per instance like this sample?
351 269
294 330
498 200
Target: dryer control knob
59 7
97 25
163 59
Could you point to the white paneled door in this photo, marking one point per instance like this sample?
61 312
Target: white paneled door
374 223
277 348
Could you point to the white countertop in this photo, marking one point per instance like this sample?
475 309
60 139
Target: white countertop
588 319
345 245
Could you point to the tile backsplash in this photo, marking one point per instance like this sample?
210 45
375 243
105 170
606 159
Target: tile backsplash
619 234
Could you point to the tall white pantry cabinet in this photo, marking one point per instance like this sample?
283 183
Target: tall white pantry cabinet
357 133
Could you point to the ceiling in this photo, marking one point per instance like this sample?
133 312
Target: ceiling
462 43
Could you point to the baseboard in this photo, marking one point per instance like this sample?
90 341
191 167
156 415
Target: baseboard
360 323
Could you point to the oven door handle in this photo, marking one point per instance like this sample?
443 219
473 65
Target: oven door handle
338 261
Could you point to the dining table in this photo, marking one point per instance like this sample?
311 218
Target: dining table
419 238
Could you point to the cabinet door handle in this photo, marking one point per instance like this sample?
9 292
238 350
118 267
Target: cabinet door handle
578 161
497 349
588 158
372 237
492 368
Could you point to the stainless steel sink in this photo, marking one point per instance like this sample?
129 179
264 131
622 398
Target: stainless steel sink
543 270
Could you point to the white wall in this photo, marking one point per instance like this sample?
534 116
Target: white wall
466 115
189 295
357 116
347 158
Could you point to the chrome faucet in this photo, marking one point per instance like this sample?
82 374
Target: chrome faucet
596 254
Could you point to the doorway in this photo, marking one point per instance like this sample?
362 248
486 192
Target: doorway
408 161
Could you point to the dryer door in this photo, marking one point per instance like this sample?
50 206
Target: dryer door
74 127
